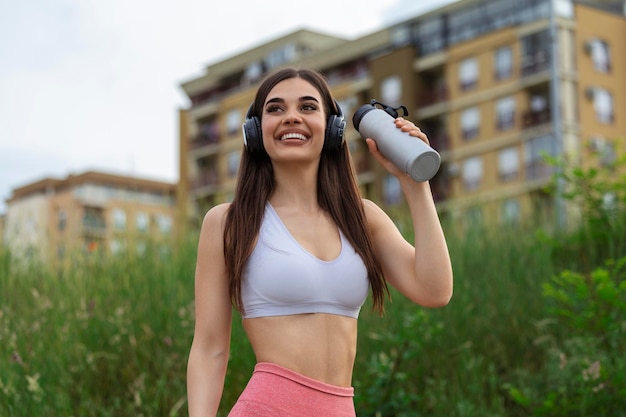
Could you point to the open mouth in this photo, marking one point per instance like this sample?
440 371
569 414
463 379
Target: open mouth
296 136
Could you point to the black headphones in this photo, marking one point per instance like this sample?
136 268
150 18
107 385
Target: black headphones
333 137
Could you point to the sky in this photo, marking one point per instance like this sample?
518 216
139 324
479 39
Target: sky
95 84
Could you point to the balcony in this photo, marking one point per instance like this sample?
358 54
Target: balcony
435 95
202 140
206 178
536 62
93 227
536 118
439 141
93 222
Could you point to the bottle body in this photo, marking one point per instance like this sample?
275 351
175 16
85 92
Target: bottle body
410 154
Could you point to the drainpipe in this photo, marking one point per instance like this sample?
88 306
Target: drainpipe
557 126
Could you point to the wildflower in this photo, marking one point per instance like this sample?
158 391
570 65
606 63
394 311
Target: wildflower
16 358
593 372
599 387
34 387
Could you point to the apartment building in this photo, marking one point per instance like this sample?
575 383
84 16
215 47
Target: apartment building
88 213
495 85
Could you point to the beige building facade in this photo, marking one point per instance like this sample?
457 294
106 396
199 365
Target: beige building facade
495 84
52 220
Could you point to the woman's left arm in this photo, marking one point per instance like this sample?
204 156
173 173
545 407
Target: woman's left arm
423 271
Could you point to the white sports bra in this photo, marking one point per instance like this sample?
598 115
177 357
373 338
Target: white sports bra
282 278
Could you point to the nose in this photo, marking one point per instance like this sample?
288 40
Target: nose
292 117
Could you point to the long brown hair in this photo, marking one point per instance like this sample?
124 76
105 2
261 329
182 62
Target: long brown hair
337 193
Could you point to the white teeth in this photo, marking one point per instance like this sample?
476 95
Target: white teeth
293 136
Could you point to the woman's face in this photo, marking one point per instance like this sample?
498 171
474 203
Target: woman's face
293 121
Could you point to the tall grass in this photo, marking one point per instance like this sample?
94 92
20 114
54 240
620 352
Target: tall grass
105 338
110 337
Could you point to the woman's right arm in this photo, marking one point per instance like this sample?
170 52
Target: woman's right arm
208 357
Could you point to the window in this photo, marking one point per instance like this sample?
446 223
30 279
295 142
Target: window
430 36
93 218
508 164
564 8
510 211
603 105
472 173
505 113
391 90
401 35
164 223
119 219
280 56
600 55
500 13
253 72
233 163
116 246
233 121
534 150
142 220
535 53
468 73
392 191
503 63
348 105
208 132
605 151
61 220
466 23
470 123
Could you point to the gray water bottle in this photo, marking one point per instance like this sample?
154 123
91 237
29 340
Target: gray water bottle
410 154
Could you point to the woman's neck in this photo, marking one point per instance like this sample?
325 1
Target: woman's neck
295 186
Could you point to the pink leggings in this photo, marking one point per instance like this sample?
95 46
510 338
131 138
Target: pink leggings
274 391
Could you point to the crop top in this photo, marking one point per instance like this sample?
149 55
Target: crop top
282 278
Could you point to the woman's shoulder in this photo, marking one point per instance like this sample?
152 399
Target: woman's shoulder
370 207
216 216
218 210
374 215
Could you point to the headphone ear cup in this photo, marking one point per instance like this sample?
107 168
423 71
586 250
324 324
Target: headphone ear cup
252 136
335 132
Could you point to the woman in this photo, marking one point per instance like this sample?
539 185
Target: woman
296 253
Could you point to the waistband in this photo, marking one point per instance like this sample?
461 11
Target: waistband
272 368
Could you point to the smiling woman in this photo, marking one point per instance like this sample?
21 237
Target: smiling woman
296 253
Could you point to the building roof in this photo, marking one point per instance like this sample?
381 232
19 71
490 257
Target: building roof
312 41
72 180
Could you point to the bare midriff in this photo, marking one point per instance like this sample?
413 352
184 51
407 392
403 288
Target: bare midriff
319 346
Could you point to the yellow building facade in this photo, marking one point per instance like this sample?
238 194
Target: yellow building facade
495 85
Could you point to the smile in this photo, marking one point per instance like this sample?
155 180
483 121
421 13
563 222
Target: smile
299 136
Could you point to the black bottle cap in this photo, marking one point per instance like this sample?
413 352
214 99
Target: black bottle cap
358 115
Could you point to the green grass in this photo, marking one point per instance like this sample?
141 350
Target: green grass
111 337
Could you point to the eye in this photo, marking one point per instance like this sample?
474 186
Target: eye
273 108
309 107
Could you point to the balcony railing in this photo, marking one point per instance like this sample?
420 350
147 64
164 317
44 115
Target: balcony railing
202 140
93 226
439 141
434 95
535 62
206 178
535 118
